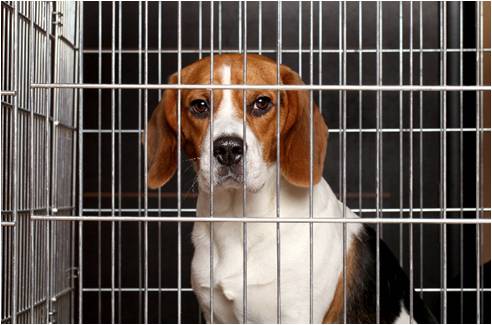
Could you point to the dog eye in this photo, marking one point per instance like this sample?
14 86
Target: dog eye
261 105
199 108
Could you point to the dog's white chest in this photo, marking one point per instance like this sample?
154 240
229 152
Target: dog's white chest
229 274
270 278
262 274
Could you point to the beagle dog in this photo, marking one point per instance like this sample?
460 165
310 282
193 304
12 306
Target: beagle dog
256 150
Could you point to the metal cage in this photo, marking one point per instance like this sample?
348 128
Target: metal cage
38 134
404 86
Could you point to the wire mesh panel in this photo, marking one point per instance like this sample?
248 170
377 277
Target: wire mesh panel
403 87
37 141
382 155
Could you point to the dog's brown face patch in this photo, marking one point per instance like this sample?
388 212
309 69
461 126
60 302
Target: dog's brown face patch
261 107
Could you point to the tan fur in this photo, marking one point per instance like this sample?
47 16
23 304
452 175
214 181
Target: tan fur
161 141
295 160
335 311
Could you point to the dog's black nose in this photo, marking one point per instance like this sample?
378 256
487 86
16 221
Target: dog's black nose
228 150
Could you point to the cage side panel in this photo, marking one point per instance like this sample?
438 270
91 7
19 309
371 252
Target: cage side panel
41 248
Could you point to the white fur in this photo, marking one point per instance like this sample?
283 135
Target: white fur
228 122
404 317
261 265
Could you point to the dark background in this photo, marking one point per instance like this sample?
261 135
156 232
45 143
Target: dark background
129 116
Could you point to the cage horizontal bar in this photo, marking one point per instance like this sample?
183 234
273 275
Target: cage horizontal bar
383 210
294 51
191 289
268 220
53 209
264 87
351 130
136 289
116 210
452 290
8 93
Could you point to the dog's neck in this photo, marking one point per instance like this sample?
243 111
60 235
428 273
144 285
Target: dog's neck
293 200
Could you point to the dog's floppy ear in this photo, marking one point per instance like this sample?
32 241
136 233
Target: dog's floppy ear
162 140
294 150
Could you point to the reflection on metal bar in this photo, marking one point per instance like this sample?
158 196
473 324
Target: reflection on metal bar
211 162
145 165
139 164
299 35
410 198
461 236
120 28
443 147
270 220
159 198
15 83
8 93
277 165
336 130
421 148
31 92
245 171
159 289
113 122
99 158
311 162
400 111
379 79
360 104
47 135
478 153
86 289
461 290
343 139
179 172
266 87
73 225
80 169
260 28
260 50
383 210
320 53
482 143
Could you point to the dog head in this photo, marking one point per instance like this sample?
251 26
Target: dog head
220 150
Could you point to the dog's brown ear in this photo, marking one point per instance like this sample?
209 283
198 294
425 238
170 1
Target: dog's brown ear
294 150
162 140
